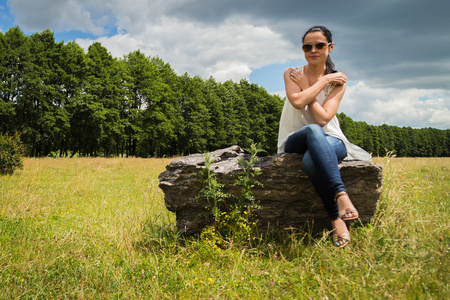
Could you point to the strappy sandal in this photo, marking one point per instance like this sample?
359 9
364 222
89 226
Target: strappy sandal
341 240
348 213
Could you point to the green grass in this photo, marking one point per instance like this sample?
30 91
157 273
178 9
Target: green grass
95 228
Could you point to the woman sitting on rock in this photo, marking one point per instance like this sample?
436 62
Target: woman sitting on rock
309 126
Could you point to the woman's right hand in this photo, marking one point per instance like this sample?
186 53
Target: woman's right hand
299 78
338 78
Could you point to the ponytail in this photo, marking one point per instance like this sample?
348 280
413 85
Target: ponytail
330 66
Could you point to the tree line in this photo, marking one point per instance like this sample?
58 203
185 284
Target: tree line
68 102
401 141
65 101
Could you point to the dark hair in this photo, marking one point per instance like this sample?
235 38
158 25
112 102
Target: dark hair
327 33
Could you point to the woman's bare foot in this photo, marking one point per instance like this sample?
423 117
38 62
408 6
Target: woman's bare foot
341 236
348 212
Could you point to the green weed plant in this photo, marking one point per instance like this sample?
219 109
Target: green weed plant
234 217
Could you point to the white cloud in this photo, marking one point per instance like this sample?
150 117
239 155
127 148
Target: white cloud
281 94
225 70
225 50
401 107
117 45
228 50
417 108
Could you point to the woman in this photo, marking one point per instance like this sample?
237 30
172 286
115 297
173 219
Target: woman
309 126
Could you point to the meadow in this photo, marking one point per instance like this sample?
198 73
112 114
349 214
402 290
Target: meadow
97 228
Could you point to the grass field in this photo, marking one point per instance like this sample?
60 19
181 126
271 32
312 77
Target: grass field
95 228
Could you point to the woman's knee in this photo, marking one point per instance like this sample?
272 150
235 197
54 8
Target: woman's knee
314 127
315 133
315 130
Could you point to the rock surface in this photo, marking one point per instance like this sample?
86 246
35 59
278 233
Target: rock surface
287 197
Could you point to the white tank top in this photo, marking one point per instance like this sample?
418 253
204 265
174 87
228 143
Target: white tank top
293 119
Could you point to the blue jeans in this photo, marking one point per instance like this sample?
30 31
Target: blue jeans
320 162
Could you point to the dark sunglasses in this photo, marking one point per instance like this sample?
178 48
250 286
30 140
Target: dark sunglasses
319 46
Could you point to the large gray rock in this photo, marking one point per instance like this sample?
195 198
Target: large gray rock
287 197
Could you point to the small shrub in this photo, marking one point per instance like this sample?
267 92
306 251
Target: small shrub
234 217
11 151
211 190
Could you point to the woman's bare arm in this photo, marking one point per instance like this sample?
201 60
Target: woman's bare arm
322 114
300 93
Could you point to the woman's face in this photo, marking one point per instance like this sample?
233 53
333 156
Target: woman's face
316 56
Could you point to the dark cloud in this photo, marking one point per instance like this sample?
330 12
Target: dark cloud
399 43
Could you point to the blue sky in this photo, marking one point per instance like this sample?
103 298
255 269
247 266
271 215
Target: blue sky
264 75
398 67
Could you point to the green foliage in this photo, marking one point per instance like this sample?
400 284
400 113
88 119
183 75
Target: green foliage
92 104
212 190
11 151
404 141
234 217
247 181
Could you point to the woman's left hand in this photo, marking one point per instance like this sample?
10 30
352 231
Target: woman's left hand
338 78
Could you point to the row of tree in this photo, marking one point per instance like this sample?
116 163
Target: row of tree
401 141
67 101
64 102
